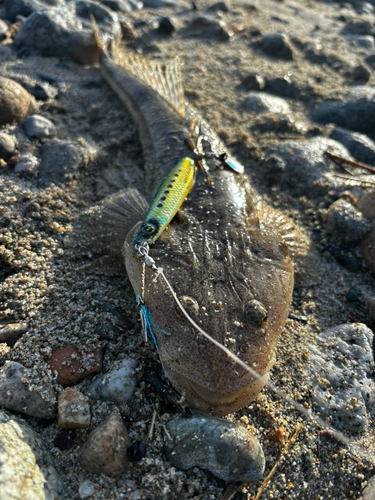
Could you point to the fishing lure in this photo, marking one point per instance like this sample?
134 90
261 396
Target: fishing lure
147 321
168 199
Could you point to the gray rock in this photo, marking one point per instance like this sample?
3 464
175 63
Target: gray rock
116 385
305 163
118 5
166 26
26 467
227 450
73 410
157 4
44 91
356 27
105 449
359 145
369 492
19 392
355 111
14 8
361 73
86 489
15 102
207 27
345 222
253 82
37 126
3 28
67 32
10 333
260 102
59 161
27 164
370 60
221 5
7 145
339 370
282 87
275 45
362 41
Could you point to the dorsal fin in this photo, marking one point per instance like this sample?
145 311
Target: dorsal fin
166 80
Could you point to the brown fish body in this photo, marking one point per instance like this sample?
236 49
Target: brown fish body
233 274
231 271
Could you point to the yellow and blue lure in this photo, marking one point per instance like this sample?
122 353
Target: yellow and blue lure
170 196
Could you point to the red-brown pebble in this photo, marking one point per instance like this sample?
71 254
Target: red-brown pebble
72 365
16 103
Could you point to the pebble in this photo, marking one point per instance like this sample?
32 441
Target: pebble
72 365
116 385
260 102
44 91
345 222
65 440
86 489
362 41
59 161
305 162
367 244
118 5
27 470
38 127
282 87
219 6
19 392
227 450
136 451
73 409
359 145
66 31
157 4
354 111
369 492
340 368
15 8
275 45
166 27
7 145
11 332
105 449
3 28
15 102
253 82
356 27
207 27
361 73
370 60
27 164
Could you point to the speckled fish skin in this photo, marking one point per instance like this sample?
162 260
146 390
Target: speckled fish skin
231 271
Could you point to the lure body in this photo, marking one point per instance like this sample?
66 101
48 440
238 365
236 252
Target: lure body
168 199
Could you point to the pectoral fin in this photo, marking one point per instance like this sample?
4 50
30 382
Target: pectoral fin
99 232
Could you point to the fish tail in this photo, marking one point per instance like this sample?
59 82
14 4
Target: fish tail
97 36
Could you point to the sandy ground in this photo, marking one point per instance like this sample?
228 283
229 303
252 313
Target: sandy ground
41 285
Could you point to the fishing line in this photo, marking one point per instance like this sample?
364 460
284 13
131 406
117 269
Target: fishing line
149 261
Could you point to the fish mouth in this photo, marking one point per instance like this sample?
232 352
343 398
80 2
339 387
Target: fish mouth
195 392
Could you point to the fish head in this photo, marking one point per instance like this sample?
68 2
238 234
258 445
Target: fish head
237 286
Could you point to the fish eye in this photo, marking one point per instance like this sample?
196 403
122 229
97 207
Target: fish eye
255 313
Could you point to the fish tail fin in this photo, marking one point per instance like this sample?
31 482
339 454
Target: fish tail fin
166 79
97 36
